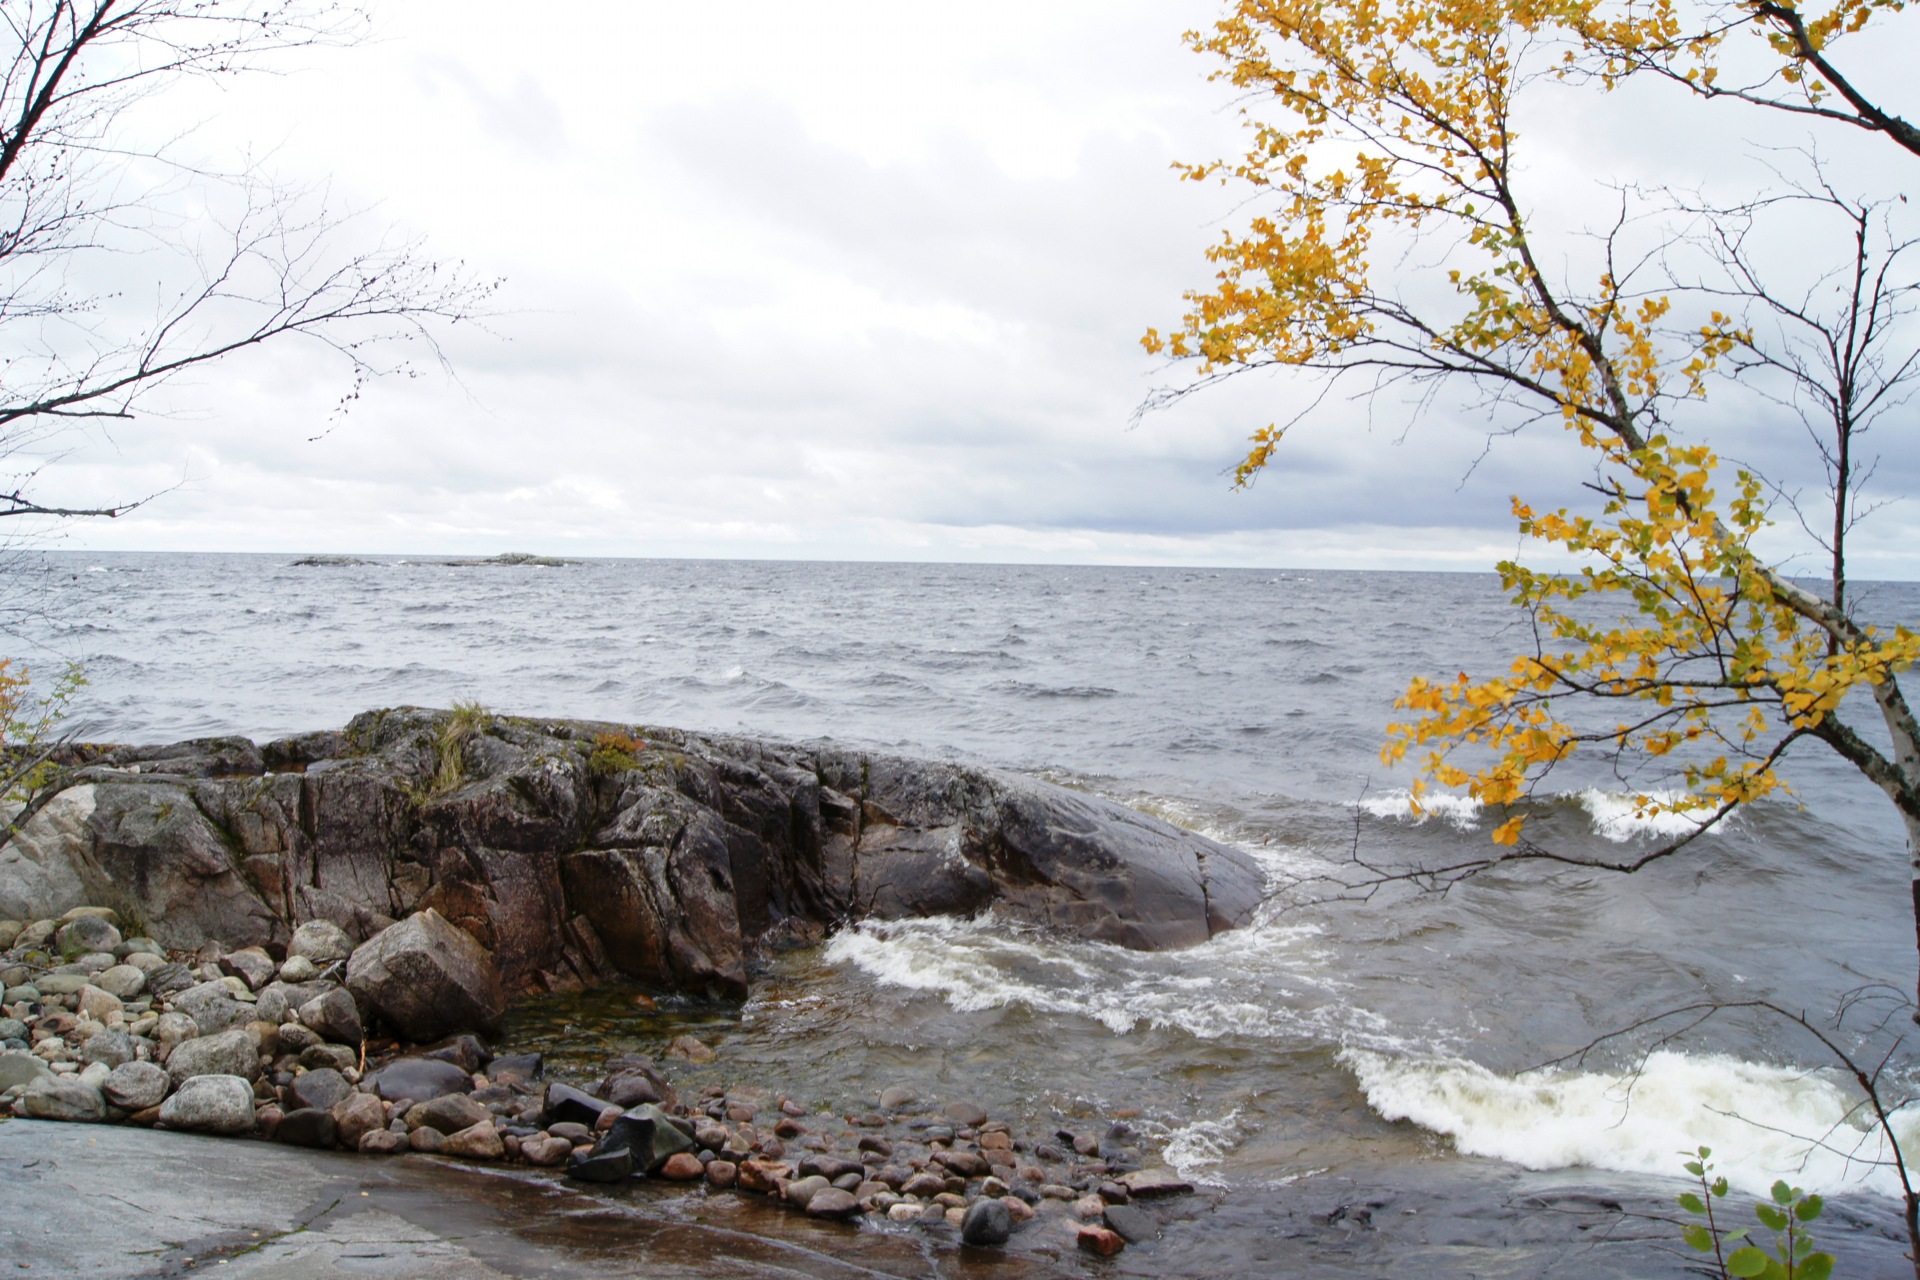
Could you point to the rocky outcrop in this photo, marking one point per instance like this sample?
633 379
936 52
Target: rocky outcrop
572 851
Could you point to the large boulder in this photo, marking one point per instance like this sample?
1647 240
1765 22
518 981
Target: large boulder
427 979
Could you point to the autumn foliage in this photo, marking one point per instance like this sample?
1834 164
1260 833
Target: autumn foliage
1373 126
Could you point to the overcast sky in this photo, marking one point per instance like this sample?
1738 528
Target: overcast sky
818 280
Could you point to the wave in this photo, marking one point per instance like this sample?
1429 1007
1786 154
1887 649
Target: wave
1762 1122
1622 817
1195 1150
1235 984
1616 816
1462 813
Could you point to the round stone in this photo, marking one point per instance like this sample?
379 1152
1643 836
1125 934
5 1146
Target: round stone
321 941
832 1202
122 980
987 1223
135 1086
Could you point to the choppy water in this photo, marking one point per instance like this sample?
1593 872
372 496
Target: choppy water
1381 1048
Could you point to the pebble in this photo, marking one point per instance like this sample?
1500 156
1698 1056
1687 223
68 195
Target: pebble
681 1166
321 1090
299 969
832 1203
965 1114
306 1127
381 1142
691 1049
987 1223
122 980
111 1047
448 1114
320 941
215 1031
356 1115
478 1141
1147 1183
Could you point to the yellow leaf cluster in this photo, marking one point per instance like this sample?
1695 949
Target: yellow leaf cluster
1371 119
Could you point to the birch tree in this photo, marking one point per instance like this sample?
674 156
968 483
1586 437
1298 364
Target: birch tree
1376 126
125 265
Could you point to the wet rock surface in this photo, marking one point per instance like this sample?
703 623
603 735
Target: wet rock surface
573 851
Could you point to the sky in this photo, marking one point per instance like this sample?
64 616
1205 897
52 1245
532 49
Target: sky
829 281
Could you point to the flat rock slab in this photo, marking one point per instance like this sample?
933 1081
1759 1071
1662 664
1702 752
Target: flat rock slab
188 1205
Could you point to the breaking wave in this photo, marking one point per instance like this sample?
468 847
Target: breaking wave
1762 1122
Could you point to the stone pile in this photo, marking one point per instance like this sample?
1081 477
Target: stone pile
96 1027
952 1167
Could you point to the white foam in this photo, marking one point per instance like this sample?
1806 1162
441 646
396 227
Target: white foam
1236 984
1462 813
1195 1150
1623 816
1762 1122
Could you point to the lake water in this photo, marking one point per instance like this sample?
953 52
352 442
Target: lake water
1336 1054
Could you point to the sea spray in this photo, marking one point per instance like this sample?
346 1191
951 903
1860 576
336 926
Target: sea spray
1763 1122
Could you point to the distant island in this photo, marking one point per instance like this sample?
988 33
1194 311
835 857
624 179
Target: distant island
504 558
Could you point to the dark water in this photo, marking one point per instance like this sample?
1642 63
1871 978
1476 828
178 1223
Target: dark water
1332 1053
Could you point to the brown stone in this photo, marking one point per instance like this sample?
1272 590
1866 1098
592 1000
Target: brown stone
1102 1241
691 1049
832 1203
381 1142
968 1164
1145 1184
357 1115
763 1175
450 1114
479 1141
546 1151
681 1166
722 1173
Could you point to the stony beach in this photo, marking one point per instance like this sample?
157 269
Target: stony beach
304 1048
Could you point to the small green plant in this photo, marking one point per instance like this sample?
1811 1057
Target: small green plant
614 753
28 728
467 720
1787 1215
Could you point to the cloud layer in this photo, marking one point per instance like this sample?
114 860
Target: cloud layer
841 281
